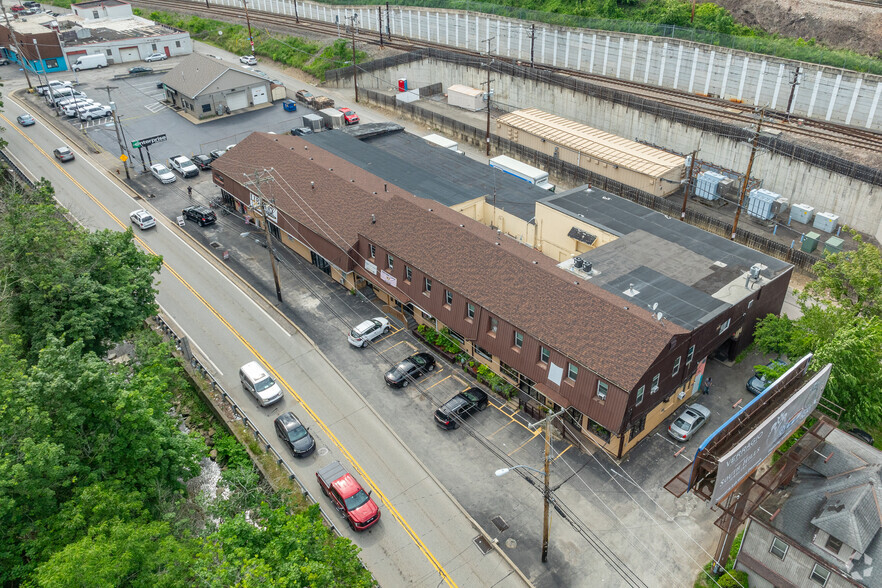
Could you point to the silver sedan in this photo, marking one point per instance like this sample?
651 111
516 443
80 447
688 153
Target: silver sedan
689 421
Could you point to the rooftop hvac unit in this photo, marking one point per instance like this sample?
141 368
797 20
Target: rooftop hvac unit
802 213
578 262
826 221
707 185
755 271
586 266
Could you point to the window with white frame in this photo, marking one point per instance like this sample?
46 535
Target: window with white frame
518 339
654 387
543 354
427 285
602 389
470 310
408 274
778 548
372 251
639 399
725 326
690 355
676 367
820 575
390 261
572 371
448 297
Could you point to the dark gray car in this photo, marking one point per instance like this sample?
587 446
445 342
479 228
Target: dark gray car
293 434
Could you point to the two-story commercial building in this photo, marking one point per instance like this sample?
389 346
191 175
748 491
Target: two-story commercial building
617 332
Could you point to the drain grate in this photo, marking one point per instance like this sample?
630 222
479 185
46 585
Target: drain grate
482 544
500 524
215 244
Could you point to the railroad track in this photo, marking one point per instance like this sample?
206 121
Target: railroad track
718 108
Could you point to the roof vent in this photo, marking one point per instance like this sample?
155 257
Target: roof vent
576 282
497 242
631 291
755 270
586 266
606 198
462 226
373 219
430 210
577 262
535 262
330 169
352 180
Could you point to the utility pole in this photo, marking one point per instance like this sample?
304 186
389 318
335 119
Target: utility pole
21 55
380 24
248 22
388 24
532 43
40 59
546 523
688 186
122 149
296 16
755 142
352 20
693 12
793 85
262 177
489 63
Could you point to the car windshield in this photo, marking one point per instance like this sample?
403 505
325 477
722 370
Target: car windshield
682 425
64 151
470 395
264 384
356 500
297 433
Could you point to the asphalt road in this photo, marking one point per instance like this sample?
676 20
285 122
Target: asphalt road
424 537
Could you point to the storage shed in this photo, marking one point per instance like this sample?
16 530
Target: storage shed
465 97
634 164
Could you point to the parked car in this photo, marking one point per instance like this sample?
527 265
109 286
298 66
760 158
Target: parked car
26 120
74 99
162 173
293 434
75 108
259 384
183 166
200 214
409 369
759 382
54 84
139 69
248 60
95 111
349 115
300 131
367 331
4 61
216 153
304 96
689 421
202 161
17 8
862 435
156 57
143 219
460 407
63 154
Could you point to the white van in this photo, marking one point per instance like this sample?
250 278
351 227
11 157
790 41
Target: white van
259 384
98 60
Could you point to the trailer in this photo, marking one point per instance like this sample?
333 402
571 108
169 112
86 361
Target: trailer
522 171
313 121
465 97
333 118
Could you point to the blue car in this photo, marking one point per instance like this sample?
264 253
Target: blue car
26 120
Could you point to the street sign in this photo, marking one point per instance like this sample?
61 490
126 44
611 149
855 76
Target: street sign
123 157
148 141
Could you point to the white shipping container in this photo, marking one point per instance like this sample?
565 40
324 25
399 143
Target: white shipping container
443 142
465 97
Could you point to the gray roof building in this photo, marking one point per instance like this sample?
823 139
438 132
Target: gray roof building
204 87
826 530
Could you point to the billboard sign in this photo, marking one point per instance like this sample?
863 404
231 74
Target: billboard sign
743 459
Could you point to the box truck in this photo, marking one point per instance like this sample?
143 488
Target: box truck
522 171
98 60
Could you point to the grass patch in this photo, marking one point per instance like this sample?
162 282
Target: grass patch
731 579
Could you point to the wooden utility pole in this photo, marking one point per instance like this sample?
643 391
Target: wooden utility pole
352 20
688 186
380 24
296 16
546 521
21 55
388 24
793 86
489 63
753 147
248 22
122 148
532 43
262 177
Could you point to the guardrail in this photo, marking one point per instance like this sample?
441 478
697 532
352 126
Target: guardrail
170 334
15 170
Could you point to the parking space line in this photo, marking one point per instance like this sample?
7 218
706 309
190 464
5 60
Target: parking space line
535 433
562 452
439 381
512 417
462 382
394 345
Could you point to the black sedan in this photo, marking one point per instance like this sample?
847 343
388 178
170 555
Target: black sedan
293 434
459 407
202 161
411 368
140 69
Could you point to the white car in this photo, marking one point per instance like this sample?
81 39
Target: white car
76 108
248 60
54 84
162 173
78 98
367 331
143 219
156 57
93 112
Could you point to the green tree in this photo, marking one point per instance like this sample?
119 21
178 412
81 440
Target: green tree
851 280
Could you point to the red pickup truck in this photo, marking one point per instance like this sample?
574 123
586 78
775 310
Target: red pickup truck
348 496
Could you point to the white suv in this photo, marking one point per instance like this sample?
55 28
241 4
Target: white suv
97 111
367 331
76 108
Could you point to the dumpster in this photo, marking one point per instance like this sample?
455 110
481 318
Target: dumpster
289 105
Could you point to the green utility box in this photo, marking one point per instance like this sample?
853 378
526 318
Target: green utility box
833 245
810 242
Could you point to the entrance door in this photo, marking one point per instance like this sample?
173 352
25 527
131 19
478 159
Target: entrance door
320 262
167 52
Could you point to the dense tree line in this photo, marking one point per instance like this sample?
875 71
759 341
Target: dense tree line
92 462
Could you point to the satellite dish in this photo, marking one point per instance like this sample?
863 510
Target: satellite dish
654 306
658 316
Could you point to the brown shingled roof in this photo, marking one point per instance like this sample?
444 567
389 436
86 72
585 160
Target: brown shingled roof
518 284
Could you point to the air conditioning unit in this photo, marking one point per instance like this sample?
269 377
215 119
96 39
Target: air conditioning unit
681 394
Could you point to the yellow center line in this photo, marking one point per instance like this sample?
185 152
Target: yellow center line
337 443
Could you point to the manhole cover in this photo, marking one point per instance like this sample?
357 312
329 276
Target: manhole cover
500 524
511 543
322 451
482 544
215 244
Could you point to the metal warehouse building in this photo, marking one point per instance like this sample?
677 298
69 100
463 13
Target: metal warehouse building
634 164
